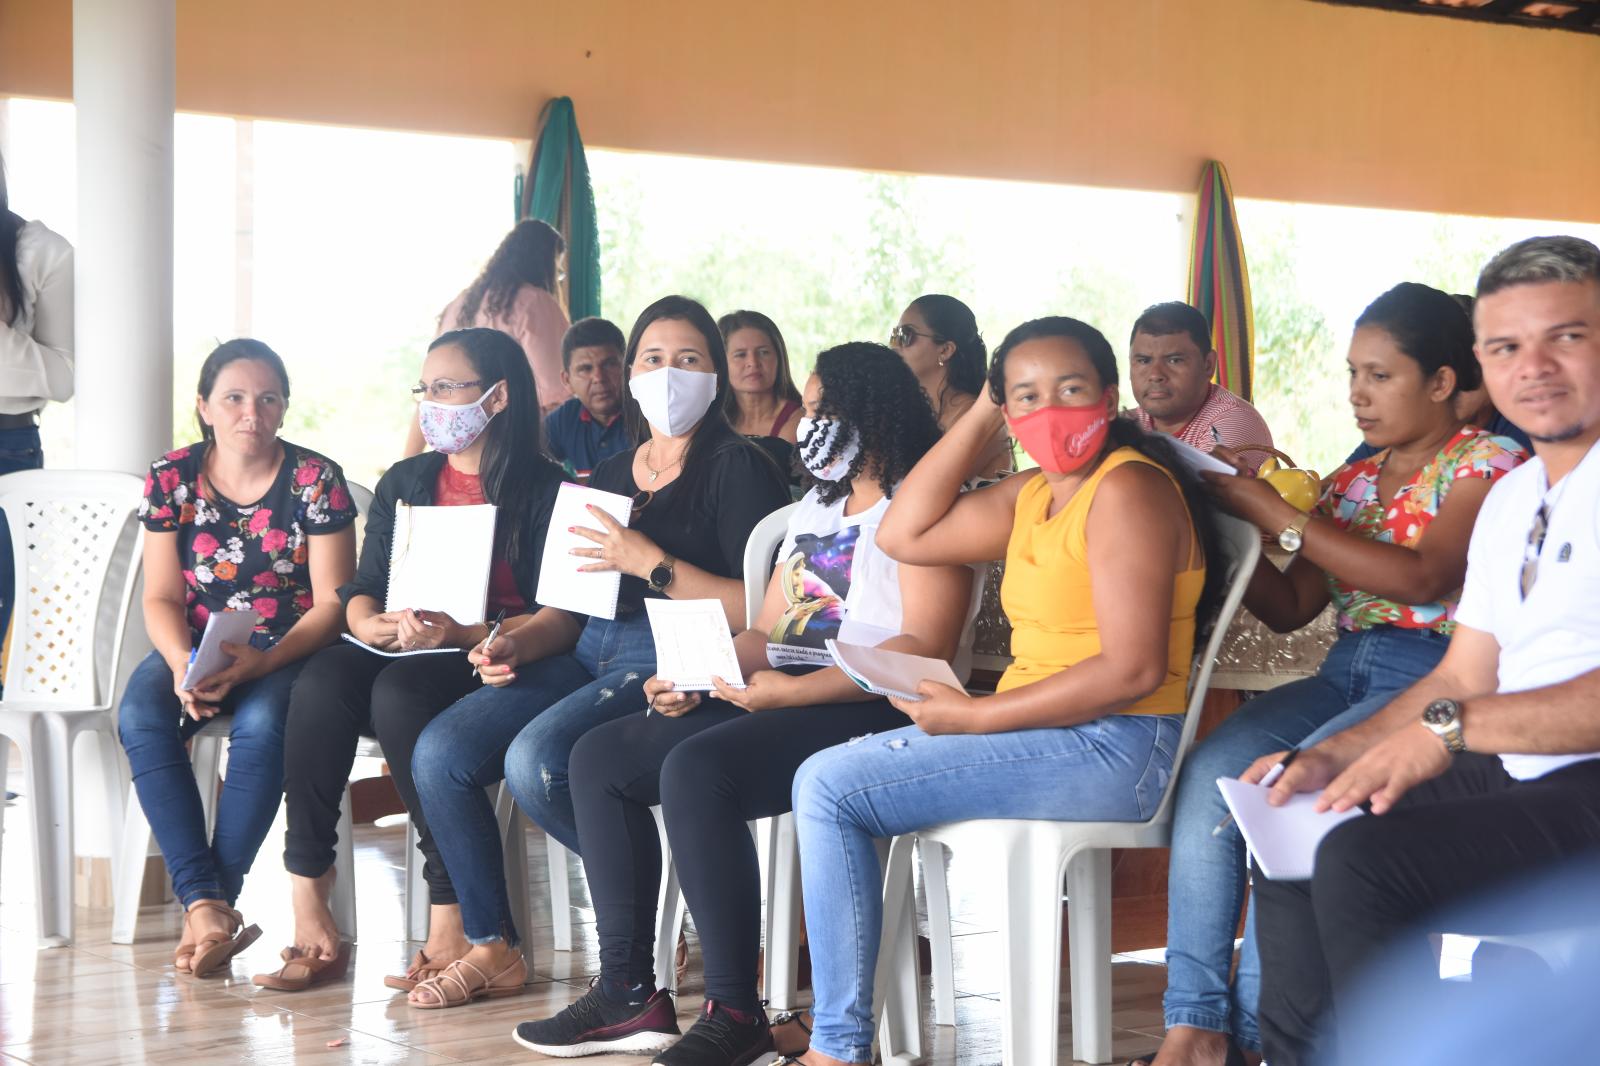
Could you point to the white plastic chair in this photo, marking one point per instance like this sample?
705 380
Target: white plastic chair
1031 858
76 548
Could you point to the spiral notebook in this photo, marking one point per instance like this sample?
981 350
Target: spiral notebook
890 673
439 560
561 581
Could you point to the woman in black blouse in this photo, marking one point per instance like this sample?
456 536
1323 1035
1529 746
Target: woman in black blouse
281 556
698 490
479 410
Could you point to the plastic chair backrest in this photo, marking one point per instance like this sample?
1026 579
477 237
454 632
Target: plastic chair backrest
760 551
1241 548
361 496
77 545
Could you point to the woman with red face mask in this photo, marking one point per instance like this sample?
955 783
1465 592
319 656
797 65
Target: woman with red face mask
1106 548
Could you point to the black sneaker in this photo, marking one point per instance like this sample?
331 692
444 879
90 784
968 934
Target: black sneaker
596 1026
721 1037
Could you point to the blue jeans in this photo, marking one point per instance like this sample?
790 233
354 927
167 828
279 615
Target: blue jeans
19 450
1114 768
524 733
1206 879
154 731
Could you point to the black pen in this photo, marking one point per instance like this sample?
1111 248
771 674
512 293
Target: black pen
1266 782
494 631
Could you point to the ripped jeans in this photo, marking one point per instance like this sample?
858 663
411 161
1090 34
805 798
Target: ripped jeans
523 733
1112 769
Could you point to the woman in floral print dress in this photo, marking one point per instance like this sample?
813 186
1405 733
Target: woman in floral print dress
1387 545
282 556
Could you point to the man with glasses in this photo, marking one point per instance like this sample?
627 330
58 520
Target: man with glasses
1170 366
589 427
1487 771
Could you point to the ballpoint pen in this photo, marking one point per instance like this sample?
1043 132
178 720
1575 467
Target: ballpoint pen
494 631
1266 782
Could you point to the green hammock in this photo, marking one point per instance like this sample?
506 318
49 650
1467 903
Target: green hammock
561 195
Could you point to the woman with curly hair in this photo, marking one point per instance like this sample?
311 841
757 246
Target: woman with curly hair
518 292
712 764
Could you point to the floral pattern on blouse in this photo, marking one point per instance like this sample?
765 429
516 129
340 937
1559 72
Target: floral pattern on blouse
253 557
1352 502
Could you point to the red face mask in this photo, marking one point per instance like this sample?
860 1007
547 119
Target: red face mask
1062 439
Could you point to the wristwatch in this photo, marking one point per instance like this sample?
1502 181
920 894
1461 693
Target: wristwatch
1444 718
661 576
1294 534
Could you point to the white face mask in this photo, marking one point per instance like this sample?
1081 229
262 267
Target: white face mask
816 440
452 427
674 401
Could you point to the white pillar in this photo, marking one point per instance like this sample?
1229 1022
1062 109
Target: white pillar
123 54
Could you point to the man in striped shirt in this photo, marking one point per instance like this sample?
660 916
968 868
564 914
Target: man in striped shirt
1172 363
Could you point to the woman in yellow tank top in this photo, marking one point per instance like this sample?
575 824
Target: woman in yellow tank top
1105 547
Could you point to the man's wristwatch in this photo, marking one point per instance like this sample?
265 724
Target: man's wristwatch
1444 718
661 576
1294 534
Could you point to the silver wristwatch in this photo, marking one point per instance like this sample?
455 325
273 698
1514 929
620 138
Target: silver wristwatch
1444 718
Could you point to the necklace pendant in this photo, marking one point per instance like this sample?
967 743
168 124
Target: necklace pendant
653 475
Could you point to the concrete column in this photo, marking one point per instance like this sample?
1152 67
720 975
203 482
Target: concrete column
123 54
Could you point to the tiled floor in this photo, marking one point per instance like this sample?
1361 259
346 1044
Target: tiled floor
105 1004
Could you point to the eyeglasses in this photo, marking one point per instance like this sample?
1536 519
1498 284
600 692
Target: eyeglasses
1530 555
904 336
443 390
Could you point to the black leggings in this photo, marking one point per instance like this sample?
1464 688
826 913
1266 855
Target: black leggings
344 693
1383 883
712 771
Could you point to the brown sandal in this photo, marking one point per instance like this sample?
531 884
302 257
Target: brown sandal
420 970
214 950
462 983
183 955
300 971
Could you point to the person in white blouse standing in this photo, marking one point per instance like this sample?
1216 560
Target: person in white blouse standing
519 293
35 350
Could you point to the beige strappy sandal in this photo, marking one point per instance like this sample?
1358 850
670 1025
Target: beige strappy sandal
463 983
214 950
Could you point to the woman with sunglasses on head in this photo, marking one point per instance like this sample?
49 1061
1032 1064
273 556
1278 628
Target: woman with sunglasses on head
478 409
698 489
938 338
714 763
242 521
1110 564
1387 545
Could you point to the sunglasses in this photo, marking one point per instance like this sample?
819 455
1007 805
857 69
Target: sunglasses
641 500
904 336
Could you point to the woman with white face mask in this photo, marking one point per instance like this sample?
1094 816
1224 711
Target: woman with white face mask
711 763
479 411
698 489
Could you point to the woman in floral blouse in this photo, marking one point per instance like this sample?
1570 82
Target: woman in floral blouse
1387 545
281 556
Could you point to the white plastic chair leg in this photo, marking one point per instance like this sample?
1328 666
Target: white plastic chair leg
342 900
514 850
1030 937
417 902
115 779
5 770
897 992
781 932
555 857
936 888
205 753
669 913
1089 943
130 862
48 752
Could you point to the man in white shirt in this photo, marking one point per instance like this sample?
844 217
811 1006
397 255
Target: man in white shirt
1487 771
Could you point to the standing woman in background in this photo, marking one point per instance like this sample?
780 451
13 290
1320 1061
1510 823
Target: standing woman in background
517 293
938 338
35 350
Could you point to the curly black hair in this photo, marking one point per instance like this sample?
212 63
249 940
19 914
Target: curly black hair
869 388
527 256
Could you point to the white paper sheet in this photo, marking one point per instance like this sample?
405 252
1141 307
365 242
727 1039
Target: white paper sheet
693 644
1198 460
890 673
560 582
233 627
1284 839
439 560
